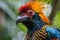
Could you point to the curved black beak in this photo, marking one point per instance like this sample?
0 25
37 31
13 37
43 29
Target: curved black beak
21 18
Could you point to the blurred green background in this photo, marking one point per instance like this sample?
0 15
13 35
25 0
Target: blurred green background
8 14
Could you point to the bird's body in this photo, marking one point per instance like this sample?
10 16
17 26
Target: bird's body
36 23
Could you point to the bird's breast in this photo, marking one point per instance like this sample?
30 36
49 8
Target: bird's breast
38 35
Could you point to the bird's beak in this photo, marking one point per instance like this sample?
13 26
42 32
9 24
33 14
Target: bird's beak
21 18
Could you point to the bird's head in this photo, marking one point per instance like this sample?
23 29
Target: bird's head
31 14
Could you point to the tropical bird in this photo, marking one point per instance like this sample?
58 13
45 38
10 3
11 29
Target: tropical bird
31 15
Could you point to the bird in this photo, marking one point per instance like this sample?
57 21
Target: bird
38 25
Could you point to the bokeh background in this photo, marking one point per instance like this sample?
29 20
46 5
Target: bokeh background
9 12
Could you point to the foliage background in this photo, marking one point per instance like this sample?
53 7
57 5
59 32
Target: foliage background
8 14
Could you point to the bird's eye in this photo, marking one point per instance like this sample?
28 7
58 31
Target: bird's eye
30 12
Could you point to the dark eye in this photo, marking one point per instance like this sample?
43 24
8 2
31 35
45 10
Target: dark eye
31 12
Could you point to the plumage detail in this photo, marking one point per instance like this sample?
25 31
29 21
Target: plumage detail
44 18
23 8
38 8
38 34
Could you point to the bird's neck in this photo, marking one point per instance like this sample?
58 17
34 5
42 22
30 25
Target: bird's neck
36 23
33 26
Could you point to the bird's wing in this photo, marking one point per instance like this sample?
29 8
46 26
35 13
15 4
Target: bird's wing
53 32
